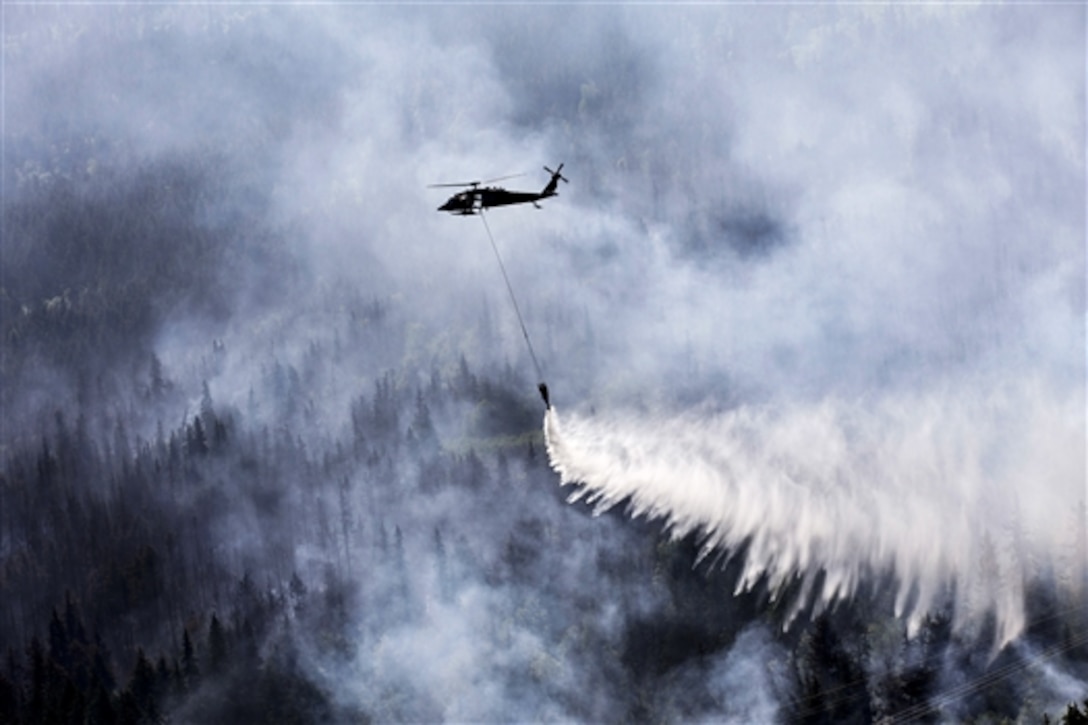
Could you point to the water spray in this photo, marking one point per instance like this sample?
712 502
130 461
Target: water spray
954 496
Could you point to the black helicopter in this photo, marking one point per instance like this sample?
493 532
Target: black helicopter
477 198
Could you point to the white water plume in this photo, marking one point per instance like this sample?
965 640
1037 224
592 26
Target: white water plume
961 495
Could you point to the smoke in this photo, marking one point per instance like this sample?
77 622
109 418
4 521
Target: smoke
880 310
815 294
744 684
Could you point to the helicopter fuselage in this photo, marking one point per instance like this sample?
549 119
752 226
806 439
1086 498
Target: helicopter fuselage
473 200
477 198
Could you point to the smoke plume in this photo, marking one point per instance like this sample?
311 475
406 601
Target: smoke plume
814 298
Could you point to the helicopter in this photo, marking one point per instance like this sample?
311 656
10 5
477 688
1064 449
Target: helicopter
477 198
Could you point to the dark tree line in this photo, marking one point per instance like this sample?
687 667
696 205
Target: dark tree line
216 676
127 533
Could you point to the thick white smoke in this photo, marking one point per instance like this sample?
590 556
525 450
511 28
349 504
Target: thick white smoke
960 495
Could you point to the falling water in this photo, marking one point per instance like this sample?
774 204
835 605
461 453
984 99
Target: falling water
964 496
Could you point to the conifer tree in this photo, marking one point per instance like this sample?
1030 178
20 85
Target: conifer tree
1074 715
9 700
58 640
197 438
143 687
100 710
189 669
101 670
73 623
36 688
217 647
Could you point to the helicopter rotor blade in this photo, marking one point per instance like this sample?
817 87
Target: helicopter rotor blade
463 183
477 183
502 178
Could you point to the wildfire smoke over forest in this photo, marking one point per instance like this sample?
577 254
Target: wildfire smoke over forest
814 297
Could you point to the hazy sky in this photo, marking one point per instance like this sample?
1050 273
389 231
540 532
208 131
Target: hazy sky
802 198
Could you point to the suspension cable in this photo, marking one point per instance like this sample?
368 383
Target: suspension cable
513 300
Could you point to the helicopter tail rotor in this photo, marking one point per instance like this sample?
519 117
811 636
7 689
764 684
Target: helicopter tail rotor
556 173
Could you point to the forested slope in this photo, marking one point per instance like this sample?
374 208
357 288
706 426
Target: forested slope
271 446
350 530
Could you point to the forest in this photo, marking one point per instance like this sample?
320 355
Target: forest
272 448
168 557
